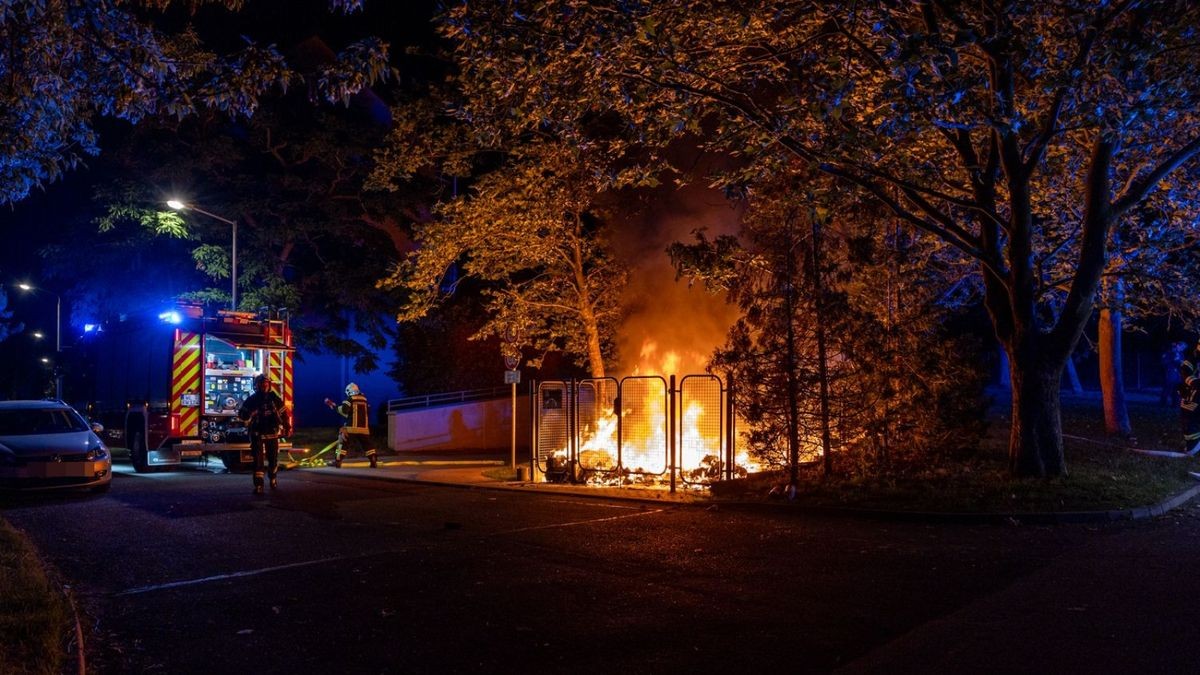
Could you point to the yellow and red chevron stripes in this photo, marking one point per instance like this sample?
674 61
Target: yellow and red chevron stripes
280 370
287 380
185 379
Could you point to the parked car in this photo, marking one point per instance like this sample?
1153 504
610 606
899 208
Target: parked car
47 444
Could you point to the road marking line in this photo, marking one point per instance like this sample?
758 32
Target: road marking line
579 522
322 561
233 575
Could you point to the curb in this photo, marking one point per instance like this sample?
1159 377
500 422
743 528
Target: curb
81 661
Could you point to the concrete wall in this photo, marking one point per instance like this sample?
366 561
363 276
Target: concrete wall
478 425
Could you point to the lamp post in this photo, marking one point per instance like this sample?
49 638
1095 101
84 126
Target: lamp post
57 334
184 206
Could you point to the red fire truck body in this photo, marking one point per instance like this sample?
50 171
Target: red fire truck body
170 391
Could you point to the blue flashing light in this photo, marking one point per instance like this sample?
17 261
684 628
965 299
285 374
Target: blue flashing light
89 328
171 317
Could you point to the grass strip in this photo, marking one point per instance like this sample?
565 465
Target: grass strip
33 613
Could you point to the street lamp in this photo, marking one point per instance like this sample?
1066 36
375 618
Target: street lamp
184 206
29 288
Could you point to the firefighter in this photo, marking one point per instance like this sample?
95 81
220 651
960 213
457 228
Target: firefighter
1189 400
355 432
266 419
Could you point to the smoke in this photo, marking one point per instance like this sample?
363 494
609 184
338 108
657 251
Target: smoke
671 328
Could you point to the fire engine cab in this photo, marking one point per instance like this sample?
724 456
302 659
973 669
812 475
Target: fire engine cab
169 389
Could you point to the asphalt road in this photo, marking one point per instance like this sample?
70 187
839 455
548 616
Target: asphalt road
187 572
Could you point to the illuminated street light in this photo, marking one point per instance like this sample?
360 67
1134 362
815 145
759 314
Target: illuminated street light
184 206
30 288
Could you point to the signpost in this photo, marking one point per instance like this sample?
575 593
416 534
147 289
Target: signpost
510 347
513 376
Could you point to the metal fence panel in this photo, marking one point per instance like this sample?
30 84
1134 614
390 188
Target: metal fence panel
643 425
596 421
553 435
701 429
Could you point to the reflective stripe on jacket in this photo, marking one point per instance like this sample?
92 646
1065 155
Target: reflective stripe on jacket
355 410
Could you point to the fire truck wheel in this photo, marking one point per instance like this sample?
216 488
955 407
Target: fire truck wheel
137 453
233 461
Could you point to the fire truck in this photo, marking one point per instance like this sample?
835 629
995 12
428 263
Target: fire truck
169 387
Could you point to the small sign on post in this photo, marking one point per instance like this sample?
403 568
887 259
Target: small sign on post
511 349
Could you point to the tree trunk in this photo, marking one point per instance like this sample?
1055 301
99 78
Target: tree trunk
595 356
587 316
1112 379
1035 441
1038 357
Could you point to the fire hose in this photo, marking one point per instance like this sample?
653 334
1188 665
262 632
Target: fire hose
310 461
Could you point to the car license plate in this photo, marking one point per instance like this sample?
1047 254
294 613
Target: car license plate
62 469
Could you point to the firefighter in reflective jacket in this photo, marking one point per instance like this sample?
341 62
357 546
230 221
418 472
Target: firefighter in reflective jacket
266 419
355 433
1189 400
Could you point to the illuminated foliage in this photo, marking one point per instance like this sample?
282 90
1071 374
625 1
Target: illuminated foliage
66 63
533 230
958 117
899 389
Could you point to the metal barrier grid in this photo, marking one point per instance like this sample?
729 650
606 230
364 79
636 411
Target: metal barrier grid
700 430
553 403
643 425
598 424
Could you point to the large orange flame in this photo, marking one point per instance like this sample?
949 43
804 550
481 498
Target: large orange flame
643 445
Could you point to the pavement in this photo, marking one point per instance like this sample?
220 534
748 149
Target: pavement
482 470
487 471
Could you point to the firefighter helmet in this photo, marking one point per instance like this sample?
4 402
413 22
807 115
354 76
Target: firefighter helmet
262 383
352 389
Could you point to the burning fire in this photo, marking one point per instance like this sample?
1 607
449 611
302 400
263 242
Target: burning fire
652 363
641 429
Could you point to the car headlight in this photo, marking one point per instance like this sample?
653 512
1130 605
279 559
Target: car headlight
96 451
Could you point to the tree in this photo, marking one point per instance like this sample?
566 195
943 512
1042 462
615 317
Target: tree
832 320
534 230
309 239
66 63
1151 273
953 115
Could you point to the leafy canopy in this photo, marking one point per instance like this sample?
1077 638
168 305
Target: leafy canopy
66 63
959 117
533 230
